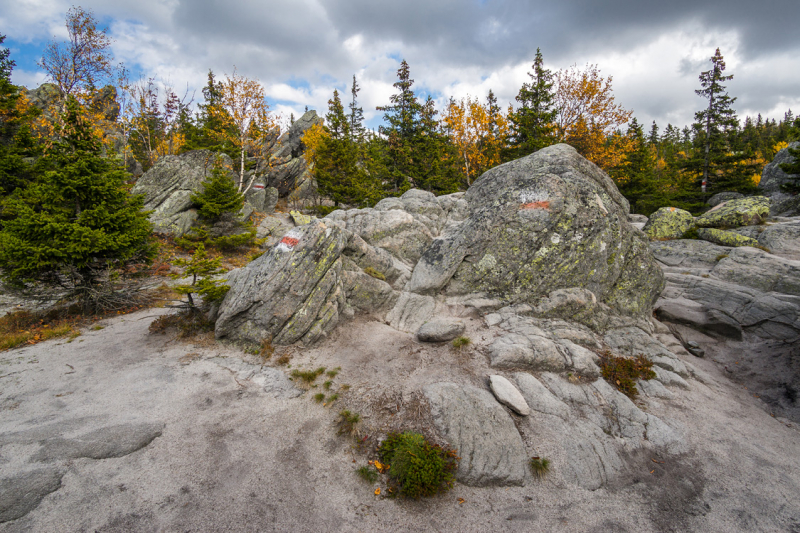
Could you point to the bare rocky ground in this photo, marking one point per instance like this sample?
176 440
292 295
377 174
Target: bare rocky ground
121 430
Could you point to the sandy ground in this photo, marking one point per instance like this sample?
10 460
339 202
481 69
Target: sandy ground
233 457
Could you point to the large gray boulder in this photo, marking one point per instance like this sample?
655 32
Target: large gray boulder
292 292
747 211
722 197
547 221
169 185
772 177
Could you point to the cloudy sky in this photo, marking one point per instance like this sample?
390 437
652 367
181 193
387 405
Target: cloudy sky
302 49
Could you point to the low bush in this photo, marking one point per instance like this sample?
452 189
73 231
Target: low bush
621 372
416 467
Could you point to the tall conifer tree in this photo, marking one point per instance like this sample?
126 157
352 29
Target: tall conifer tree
715 119
533 121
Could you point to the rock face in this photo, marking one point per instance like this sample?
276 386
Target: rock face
293 292
733 213
489 445
169 185
772 177
288 171
734 291
668 223
547 221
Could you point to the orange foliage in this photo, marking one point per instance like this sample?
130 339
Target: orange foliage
588 116
478 133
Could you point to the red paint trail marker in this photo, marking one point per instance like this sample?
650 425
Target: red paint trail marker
257 187
291 242
543 204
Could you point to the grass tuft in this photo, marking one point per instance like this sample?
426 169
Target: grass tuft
308 376
461 342
347 422
540 466
368 474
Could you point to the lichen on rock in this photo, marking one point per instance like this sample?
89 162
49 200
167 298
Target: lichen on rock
668 223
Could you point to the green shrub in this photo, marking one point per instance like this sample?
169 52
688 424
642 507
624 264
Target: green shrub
201 269
418 468
323 210
319 397
621 372
219 195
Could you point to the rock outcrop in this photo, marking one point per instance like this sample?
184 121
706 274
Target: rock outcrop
542 249
772 177
286 169
169 185
547 221
747 211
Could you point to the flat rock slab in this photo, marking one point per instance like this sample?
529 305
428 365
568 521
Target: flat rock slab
104 443
22 493
483 433
507 394
440 330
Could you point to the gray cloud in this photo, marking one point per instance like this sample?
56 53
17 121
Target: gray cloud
459 45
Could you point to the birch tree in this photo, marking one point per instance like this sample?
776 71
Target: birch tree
243 112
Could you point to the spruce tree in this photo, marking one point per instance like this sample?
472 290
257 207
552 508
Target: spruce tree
356 114
637 178
532 122
714 120
402 118
76 222
219 196
336 170
16 141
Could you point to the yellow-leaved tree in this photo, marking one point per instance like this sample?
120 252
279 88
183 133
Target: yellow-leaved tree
244 115
588 116
478 131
